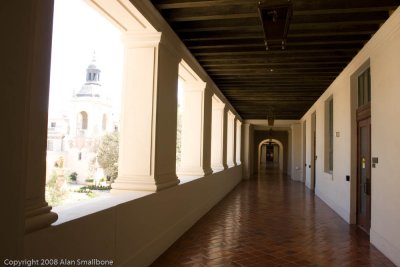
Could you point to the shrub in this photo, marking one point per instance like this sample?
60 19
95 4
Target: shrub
95 187
107 155
54 194
73 176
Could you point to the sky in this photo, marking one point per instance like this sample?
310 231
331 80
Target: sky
78 31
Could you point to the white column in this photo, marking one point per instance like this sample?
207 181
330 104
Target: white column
35 103
246 151
196 130
217 139
230 149
147 151
238 142
25 76
234 141
225 138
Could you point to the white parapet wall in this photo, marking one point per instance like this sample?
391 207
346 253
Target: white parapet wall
132 233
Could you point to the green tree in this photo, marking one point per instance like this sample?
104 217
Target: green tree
107 155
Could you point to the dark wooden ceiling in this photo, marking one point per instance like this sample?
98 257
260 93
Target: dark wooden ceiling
226 37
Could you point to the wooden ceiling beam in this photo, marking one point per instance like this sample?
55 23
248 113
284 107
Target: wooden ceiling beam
273 95
268 58
263 78
162 5
266 63
212 36
270 70
282 100
275 84
239 26
266 86
250 10
325 11
305 28
281 75
294 41
275 52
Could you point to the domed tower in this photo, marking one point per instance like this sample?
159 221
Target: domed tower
92 86
90 119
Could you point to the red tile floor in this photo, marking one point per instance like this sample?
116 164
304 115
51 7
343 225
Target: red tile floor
272 221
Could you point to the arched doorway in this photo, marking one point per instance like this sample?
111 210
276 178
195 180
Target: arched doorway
267 152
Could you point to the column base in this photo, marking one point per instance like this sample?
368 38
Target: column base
219 167
39 218
124 184
231 164
194 172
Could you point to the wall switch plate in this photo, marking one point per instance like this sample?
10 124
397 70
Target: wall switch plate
348 178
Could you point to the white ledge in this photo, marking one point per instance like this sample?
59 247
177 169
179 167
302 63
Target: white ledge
74 211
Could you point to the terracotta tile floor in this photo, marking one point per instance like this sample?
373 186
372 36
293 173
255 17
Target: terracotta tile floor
272 221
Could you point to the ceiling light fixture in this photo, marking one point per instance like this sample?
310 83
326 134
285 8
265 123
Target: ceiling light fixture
275 18
270 117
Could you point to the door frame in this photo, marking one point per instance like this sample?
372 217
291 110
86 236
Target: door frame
354 137
363 113
313 160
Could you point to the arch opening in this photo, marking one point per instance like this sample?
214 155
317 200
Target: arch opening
264 152
82 120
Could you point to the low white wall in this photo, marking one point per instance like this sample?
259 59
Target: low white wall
383 53
136 232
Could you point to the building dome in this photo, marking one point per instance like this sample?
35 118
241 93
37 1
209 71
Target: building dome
92 65
92 86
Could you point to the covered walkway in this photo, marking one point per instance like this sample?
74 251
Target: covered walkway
272 221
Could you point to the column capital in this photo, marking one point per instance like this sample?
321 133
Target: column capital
145 39
217 103
195 86
136 39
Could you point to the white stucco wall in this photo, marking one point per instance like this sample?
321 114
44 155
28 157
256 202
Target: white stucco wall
383 53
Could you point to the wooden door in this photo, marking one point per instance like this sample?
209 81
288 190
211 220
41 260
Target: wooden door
364 174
